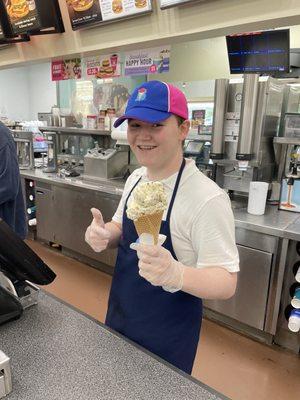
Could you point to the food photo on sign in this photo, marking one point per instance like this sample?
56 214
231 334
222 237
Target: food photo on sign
83 12
102 67
22 14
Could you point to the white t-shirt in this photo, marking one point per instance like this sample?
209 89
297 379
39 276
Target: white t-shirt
202 222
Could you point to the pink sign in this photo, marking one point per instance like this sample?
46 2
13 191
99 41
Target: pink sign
57 70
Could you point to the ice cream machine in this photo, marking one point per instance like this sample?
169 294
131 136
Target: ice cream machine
246 119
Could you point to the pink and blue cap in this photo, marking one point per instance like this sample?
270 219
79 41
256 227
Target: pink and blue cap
154 101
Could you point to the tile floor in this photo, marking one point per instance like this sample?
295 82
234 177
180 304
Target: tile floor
236 366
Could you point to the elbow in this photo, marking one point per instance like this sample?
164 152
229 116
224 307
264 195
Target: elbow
230 286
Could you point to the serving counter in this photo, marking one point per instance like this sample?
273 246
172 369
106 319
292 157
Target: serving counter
59 353
264 243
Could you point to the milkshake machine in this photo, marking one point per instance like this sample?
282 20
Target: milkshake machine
246 119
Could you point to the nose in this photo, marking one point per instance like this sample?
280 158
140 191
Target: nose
145 133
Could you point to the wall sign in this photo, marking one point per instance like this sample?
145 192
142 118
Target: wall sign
148 61
103 66
89 12
66 69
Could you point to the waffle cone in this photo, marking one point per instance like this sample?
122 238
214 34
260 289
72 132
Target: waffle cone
149 224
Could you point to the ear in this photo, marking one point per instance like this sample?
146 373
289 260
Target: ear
184 129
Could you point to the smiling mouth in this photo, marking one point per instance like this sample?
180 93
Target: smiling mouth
146 148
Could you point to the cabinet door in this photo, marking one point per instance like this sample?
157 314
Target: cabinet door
249 303
73 215
45 213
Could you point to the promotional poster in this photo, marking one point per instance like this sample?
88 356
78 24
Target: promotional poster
23 15
102 67
66 69
148 61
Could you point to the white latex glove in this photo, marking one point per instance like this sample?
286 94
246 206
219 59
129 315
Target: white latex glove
96 235
157 266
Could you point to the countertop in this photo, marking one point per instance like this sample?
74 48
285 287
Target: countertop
58 353
284 224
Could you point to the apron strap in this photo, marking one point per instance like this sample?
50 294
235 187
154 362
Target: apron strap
175 190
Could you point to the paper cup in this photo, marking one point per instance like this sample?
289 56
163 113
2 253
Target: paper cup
257 198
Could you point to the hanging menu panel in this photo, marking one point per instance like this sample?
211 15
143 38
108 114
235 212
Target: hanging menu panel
22 15
171 3
112 9
90 12
83 12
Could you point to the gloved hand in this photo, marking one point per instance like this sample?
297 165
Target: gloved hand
96 235
157 265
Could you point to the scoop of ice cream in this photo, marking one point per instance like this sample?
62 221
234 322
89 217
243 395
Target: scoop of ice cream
147 198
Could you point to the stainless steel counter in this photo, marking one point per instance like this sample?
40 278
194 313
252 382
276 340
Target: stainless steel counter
274 222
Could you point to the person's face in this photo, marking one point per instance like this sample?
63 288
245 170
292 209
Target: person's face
156 145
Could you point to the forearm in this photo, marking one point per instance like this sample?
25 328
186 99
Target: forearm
115 230
209 283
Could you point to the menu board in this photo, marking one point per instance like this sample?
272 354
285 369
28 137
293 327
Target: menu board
171 3
22 15
87 12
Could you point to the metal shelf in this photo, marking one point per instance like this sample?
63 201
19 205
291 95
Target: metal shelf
287 140
74 131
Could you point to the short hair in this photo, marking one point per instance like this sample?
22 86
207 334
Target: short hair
180 120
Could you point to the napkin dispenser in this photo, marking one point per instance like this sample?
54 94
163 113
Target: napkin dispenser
5 375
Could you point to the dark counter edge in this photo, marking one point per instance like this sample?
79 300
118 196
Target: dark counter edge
120 336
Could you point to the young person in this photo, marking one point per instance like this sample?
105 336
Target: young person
156 292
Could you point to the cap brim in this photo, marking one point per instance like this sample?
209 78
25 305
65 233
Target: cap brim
143 114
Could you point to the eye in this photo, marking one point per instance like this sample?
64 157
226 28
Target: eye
157 125
134 125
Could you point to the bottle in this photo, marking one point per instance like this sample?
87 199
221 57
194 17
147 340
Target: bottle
31 197
295 294
31 183
296 271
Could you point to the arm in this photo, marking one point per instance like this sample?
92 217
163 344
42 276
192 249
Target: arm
158 266
209 283
9 176
115 230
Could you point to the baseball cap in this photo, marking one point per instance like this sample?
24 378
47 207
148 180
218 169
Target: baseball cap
154 101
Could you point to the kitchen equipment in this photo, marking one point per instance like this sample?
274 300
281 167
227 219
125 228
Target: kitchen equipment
251 120
105 163
51 139
24 145
5 375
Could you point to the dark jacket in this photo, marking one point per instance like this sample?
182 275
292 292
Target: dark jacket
11 198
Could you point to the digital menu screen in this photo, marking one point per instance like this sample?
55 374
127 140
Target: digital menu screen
171 3
22 15
86 12
259 52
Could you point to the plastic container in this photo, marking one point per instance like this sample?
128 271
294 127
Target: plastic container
296 298
91 121
294 321
257 198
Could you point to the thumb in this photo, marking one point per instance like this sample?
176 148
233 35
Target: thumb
97 217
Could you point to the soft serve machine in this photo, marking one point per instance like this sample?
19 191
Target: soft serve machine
246 119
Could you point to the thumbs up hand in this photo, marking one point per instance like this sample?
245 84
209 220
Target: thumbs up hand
96 235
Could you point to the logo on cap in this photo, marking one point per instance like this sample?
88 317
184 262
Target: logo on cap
141 94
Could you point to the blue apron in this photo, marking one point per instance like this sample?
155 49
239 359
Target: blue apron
167 324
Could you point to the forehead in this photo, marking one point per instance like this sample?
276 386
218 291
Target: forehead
144 123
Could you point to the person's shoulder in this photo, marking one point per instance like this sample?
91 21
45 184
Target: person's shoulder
199 186
134 177
5 136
